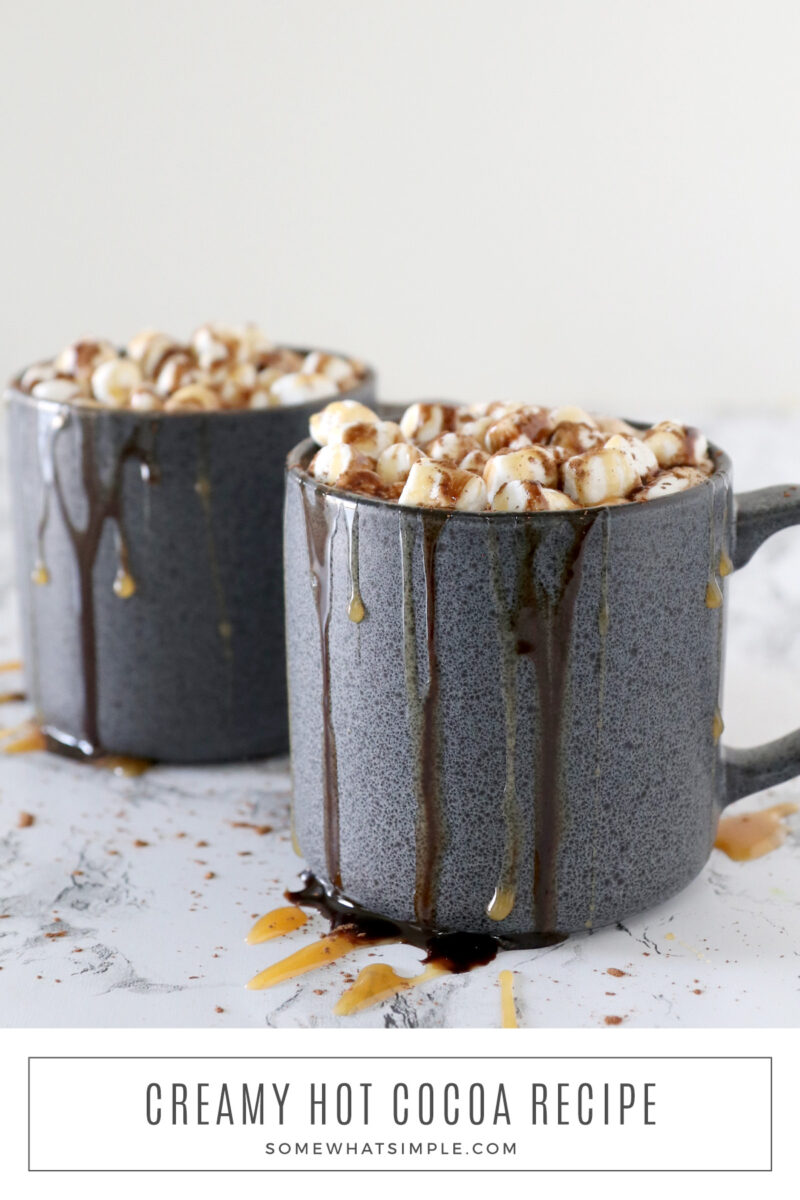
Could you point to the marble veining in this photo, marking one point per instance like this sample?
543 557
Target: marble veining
127 902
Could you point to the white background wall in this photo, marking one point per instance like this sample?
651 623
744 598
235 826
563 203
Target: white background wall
587 199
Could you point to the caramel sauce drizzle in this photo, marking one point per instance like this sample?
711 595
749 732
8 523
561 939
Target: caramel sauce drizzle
30 738
502 902
713 593
379 982
320 531
276 924
355 605
329 947
13 664
123 765
717 725
508 1011
724 566
423 710
747 836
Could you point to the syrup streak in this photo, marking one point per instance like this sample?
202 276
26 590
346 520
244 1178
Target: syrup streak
502 902
508 1009
276 924
355 605
379 982
30 738
13 664
329 947
747 836
603 621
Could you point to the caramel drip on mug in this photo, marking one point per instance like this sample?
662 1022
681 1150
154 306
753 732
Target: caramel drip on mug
504 897
543 623
355 605
321 520
49 425
423 711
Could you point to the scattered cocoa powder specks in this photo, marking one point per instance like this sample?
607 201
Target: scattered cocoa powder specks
25 820
613 1020
259 829
201 843
615 971
60 933
245 853
697 991
139 843
218 1009
209 875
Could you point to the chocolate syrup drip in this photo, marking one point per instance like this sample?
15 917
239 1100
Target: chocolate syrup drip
423 712
456 952
603 620
104 503
321 520
543 623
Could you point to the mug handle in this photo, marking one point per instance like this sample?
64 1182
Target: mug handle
759 514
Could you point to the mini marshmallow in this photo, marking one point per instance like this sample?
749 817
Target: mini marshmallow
609 425
38 373
451 448
575 436
329 463
521 495
600 475
676 445
396 461
253 343
570 414
477 427
80 358
145 399
214 345
475 461
178 369
669 482
195 397
149 349
114 380
339 412
435 485
518 429
534 464
58 390
421 423
297 388
643 457
368 437
337 369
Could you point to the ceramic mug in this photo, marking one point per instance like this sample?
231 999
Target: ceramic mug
148 551
522 734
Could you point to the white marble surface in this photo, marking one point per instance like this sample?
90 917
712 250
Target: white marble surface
149 940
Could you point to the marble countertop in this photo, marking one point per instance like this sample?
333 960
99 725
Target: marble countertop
127 901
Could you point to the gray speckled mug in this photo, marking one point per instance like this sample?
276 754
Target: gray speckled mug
157 631
522 734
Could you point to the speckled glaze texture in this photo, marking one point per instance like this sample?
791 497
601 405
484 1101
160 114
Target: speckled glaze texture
190 667
526 720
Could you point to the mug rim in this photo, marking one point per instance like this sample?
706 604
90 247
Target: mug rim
13 391
300 452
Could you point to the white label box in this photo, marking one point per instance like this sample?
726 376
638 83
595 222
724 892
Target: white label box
400 1114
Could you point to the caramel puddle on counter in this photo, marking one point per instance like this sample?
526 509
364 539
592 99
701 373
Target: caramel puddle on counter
26 738
276 923
329 947
379 982
508 1011
752 835
13 664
